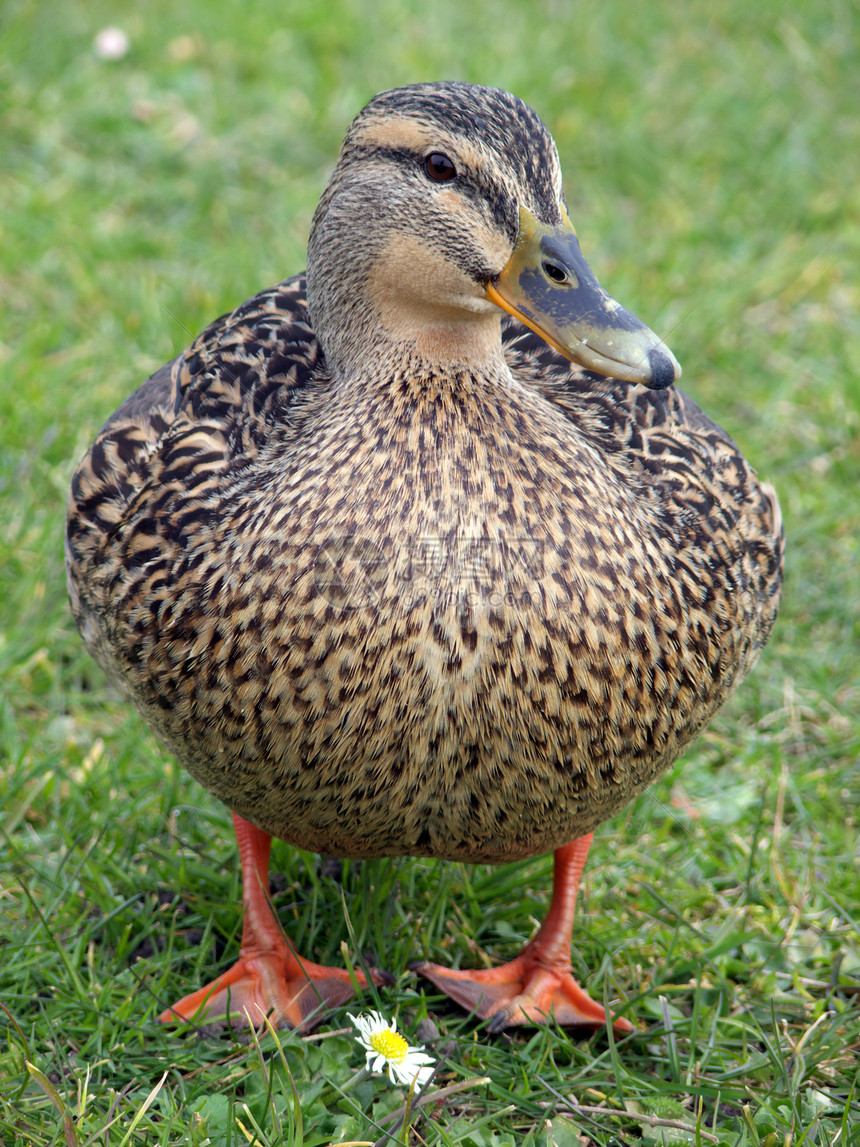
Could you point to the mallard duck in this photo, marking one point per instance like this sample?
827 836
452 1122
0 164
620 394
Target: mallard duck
421 552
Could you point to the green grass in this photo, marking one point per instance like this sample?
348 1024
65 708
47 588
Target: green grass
711 160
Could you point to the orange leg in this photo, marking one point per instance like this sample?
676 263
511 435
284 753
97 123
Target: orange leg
269 978
539 982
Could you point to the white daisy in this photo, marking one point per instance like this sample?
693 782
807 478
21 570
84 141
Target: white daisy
387 1049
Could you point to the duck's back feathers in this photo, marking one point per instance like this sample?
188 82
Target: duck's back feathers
207 409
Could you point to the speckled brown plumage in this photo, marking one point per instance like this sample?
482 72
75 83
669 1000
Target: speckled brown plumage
382 605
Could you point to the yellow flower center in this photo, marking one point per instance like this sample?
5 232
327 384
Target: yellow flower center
389 1044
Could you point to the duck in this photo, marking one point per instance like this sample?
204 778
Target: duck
422 552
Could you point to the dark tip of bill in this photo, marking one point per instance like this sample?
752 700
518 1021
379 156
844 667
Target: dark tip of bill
663 369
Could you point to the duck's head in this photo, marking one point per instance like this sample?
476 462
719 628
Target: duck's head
446 204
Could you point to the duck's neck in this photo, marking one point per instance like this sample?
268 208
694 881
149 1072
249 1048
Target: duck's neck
377 300
429 354
379 336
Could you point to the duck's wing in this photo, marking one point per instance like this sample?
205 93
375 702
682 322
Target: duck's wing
707 502
207 411
647 429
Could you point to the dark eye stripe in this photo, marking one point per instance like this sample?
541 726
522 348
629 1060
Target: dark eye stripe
494 205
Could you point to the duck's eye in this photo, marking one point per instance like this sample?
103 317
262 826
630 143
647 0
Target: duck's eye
554 271
439 167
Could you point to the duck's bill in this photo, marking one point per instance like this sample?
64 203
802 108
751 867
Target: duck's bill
548 285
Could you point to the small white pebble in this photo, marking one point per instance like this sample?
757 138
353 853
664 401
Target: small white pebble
111 44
